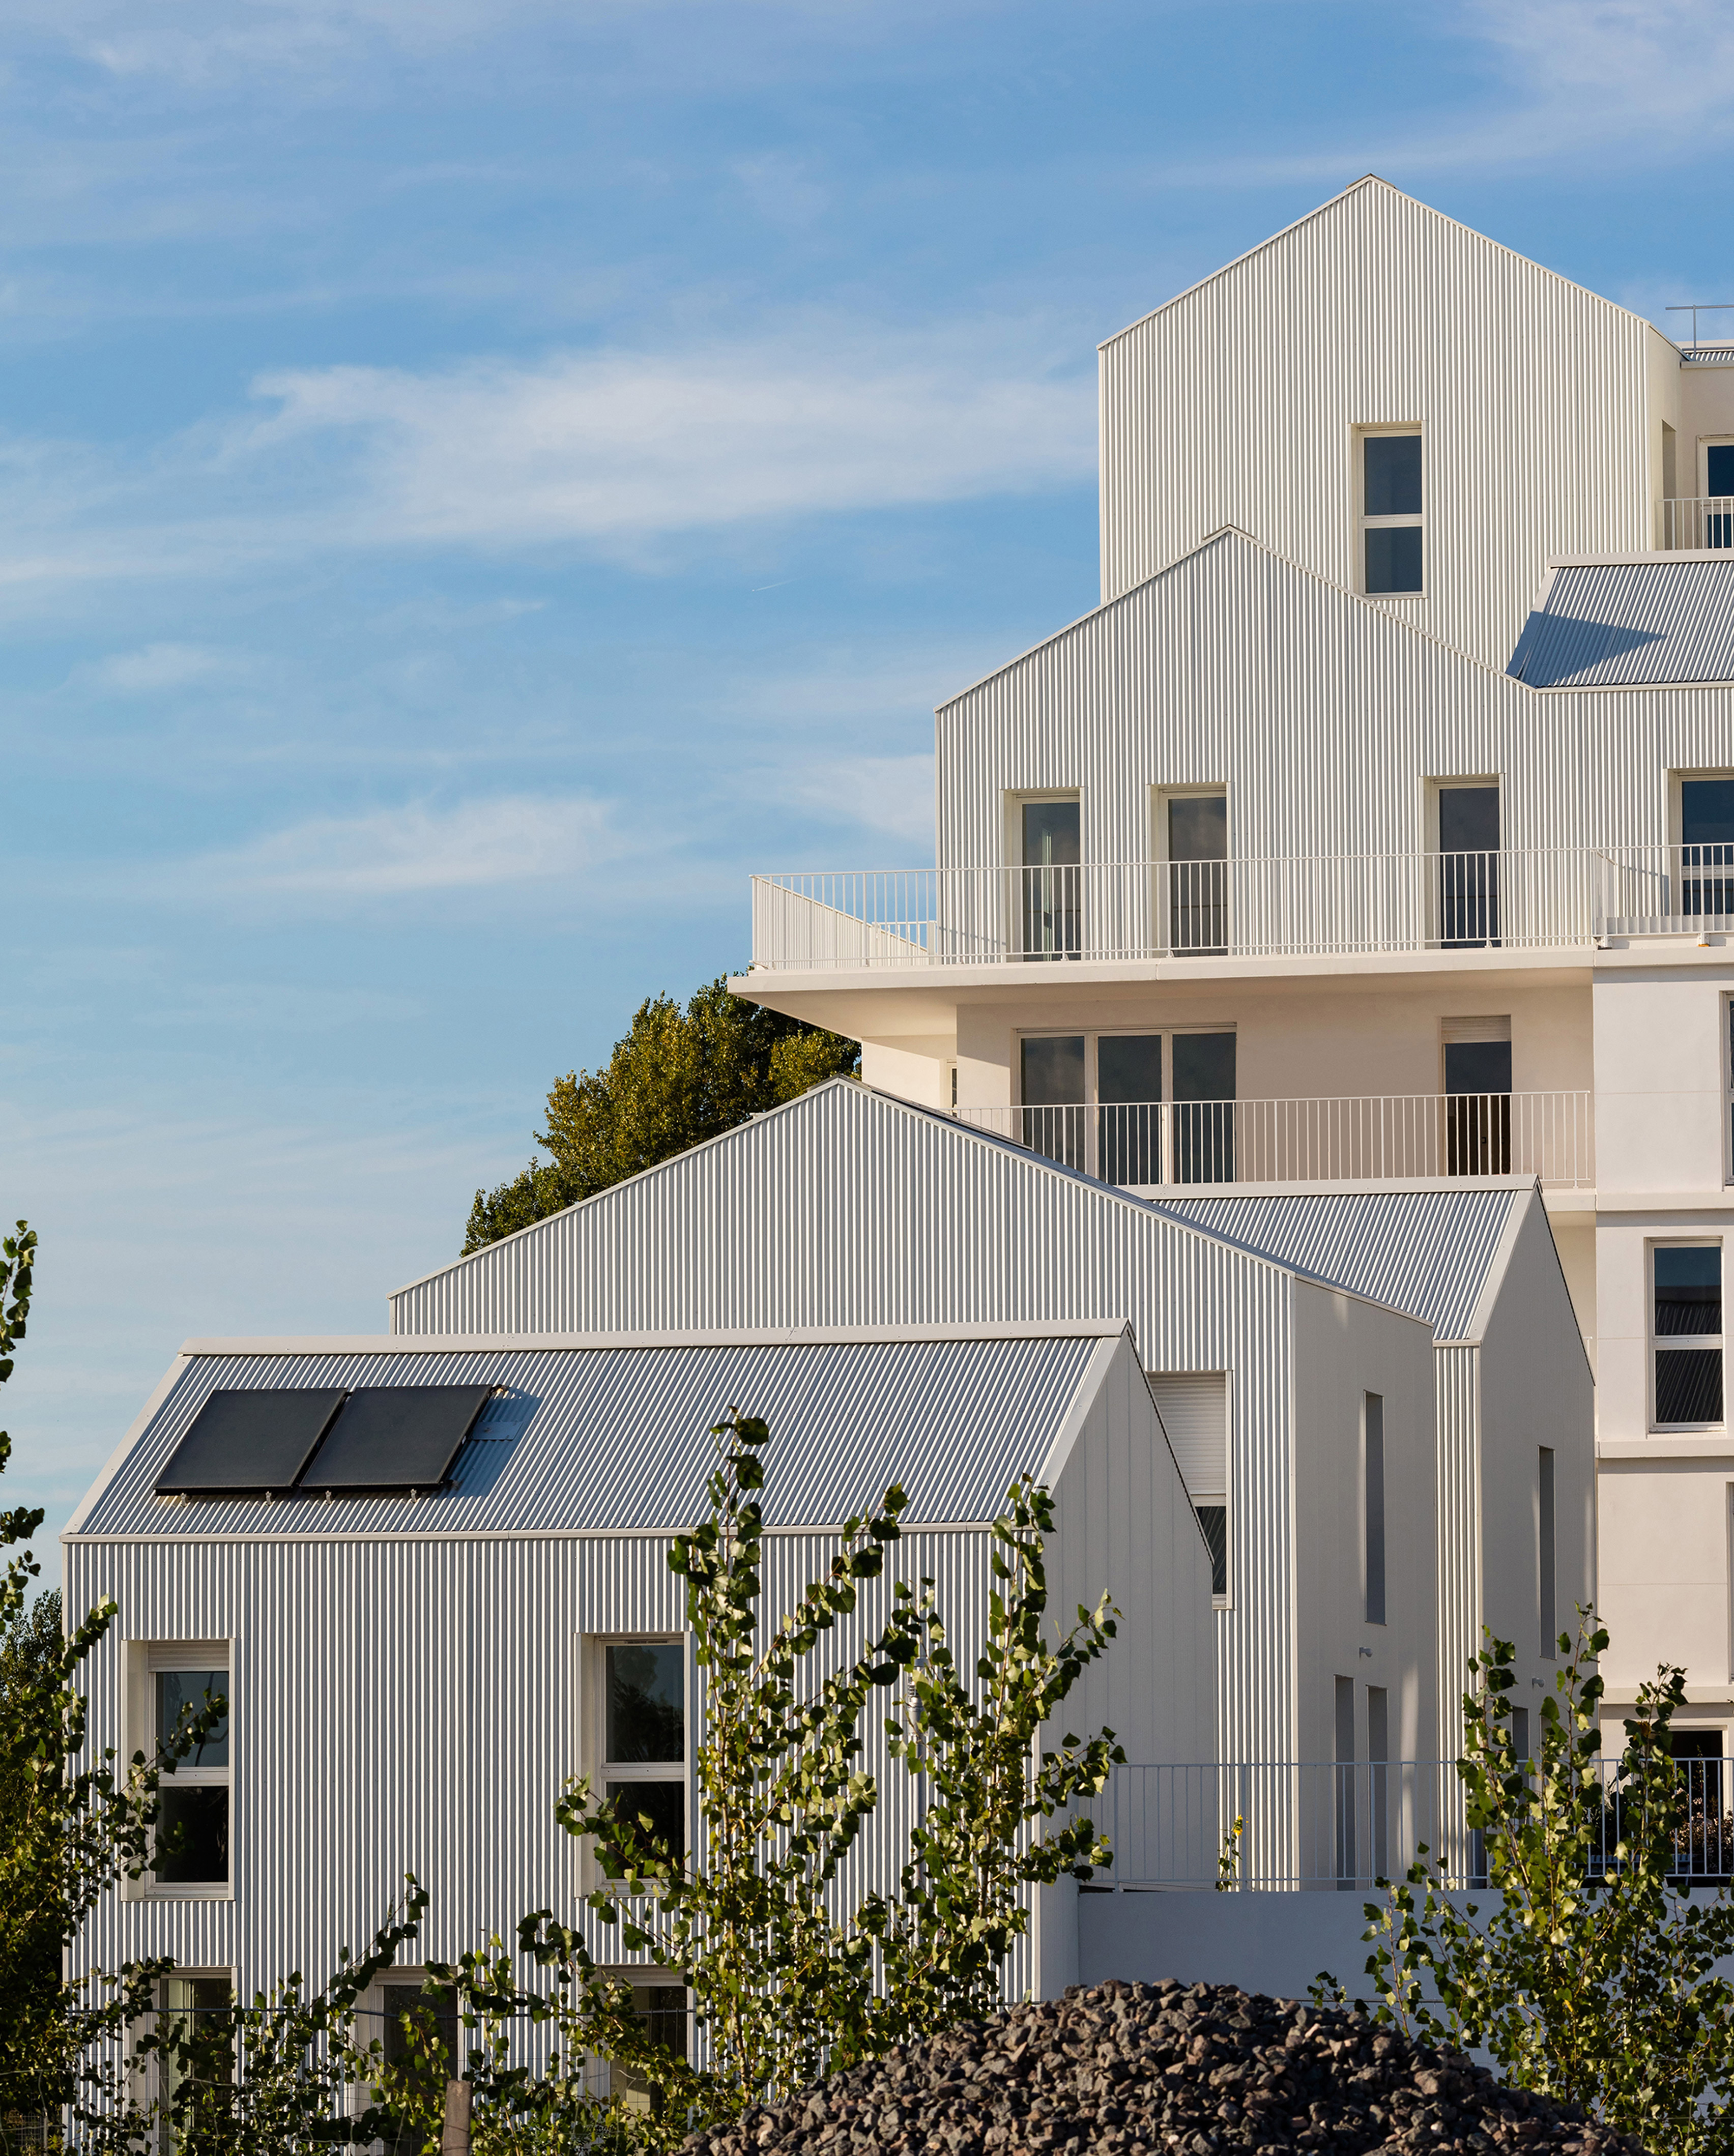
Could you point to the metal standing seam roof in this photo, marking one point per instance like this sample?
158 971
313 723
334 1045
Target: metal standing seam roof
614 1438
1427 1252
1630 623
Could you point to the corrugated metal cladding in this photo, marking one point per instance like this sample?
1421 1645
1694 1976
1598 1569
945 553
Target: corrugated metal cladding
615 1437
1633 622
1317 711
404 1706
1429 1252
1238 402
848 1207
1194 1410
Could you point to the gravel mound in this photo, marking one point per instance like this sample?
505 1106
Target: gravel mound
1159 2068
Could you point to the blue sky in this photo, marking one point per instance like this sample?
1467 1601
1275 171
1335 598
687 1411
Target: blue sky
477 477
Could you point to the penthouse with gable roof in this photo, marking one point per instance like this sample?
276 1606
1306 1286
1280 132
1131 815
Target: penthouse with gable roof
1377 829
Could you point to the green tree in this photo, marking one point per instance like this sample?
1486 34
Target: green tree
787 1980
678 1077
1590 1973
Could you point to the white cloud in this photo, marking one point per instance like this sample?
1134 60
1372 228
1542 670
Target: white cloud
158 666
890 794
617 445
513 839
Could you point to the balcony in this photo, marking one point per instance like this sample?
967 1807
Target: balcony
1704 525
1372 1138
1304 906
1337 1824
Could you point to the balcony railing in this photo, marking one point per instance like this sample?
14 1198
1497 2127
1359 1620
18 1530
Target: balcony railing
1373 1138
1331 1825
1704 522
1300 906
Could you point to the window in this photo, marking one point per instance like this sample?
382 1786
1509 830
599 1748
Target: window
1717 478
1468 820
1372 1508
422 2039
1051 851
1345 1705
662 2009
1687 1302
192 1849
1546 1555
1093 1100
1478 1095
1728 1086
1706 846
1391 512
1194 844
196 2064
644 1736
1378 1780
1193 1405
1521 1732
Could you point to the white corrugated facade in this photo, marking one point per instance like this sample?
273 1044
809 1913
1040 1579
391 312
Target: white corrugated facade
408 1674
1238 402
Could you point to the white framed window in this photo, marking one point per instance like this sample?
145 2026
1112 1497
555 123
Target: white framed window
1685 1302
193 1853
1191 833
1372 1506
661 2003
1095 1101
1045 842
639 1746
199 2005
1388 478
1193 1405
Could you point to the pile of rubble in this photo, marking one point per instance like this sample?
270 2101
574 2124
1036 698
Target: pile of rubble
1143 2070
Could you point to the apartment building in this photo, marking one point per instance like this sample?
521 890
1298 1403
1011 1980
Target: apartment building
1377 831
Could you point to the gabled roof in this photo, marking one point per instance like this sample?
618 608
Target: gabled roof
1631 623
1370 181
612 1438
1431 1253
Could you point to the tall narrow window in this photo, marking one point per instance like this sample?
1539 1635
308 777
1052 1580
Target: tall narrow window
1728 1088
1378 1780
1372 1509
1197 841
1346 1782
1391 512
1053 878
1051 1082
1478 1095
1706 847
1203 1108
1129 1094
1469 866
192 1849
1194 1408
423 2042
1546 1553
644 1762
1688 1307
1719 492
196 2064
1521 1732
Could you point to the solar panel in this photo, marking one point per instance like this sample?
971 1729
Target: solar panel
242 1441
397 1437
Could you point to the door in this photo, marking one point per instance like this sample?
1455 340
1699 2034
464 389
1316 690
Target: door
1477 1107
1051 1088
1707 850
1719 488
1204 1107
1198 874
1051 879
1129 1094
1469 866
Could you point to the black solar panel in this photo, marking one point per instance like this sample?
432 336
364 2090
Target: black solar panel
246 1441
397 1437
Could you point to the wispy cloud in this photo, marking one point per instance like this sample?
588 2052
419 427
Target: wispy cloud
513 838
892 795
611 451
159 666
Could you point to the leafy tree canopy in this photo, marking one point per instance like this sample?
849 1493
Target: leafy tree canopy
680 1075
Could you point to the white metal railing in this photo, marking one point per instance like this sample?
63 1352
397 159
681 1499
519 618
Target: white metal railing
1348 1139
1300 906
1705 522
1326 1823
